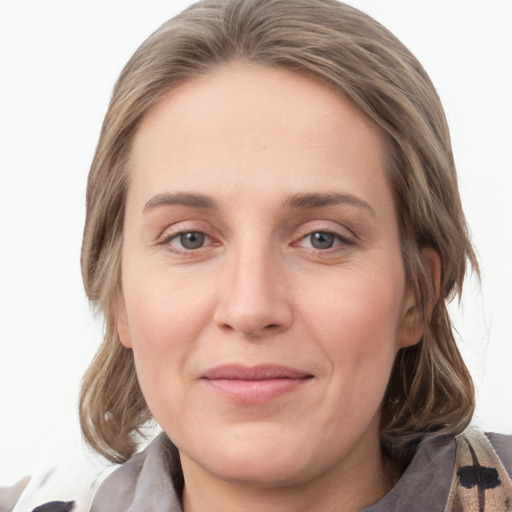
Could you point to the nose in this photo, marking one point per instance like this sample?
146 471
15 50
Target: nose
254 300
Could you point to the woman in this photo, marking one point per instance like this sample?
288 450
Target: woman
273 228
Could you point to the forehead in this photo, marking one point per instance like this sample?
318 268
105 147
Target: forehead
248 122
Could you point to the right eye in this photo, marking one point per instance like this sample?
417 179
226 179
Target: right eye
191 240
187 241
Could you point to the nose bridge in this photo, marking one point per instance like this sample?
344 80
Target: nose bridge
253 298
252 273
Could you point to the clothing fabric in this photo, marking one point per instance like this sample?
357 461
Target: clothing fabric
480 480
56 506
469 473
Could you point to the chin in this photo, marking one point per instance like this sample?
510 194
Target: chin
259 455
264 470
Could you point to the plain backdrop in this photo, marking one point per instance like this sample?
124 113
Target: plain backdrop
58 63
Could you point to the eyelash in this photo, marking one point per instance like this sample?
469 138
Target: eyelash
166 241
340 242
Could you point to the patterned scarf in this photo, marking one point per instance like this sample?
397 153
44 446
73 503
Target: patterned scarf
480 482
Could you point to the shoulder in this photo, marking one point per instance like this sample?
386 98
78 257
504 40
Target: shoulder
68 485
452 473
502 445
481 478
491 449
148 481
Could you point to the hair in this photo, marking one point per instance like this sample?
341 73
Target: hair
430 389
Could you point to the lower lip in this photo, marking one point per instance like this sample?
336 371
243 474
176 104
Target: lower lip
255 391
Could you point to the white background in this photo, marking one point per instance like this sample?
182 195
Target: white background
58 62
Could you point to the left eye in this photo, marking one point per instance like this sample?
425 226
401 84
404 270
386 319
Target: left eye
322 240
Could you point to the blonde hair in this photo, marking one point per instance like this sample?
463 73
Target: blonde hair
430 389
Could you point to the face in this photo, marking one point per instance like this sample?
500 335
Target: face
264 291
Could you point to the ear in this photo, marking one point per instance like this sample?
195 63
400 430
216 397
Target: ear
412 325
123 329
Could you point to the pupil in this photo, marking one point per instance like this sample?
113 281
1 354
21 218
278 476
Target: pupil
192 240
322 240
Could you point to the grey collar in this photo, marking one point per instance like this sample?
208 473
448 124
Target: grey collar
152 481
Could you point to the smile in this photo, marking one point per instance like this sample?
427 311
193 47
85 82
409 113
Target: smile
256 384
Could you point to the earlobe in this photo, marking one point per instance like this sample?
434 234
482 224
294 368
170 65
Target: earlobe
413 322
411 328
123 328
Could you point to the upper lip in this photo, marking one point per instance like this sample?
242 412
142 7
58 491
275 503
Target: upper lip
257 372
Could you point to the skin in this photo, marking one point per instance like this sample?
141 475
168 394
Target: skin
261 291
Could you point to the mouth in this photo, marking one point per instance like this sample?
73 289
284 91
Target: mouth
254 384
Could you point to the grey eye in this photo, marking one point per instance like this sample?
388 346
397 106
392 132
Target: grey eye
192 240
322 240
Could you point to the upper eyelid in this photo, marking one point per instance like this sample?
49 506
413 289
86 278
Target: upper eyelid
182 252
184 226
344 240
166 238
342 231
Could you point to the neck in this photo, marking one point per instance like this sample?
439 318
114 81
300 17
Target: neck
348 487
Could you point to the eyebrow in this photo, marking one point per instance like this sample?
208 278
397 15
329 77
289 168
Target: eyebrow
327 199
296 201
189 199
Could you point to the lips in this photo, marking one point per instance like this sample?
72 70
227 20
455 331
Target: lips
255 384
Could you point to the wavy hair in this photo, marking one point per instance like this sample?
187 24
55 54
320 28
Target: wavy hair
430 389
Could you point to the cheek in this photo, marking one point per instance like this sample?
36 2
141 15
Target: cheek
363 308
163 313
165 321
356 319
